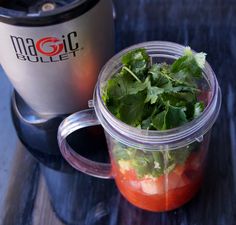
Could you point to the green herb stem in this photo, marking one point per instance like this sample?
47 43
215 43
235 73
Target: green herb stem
179 82
129 71
172 79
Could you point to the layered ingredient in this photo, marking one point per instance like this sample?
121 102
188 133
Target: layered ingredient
157 96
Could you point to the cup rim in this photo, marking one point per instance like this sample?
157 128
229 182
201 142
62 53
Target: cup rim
171 138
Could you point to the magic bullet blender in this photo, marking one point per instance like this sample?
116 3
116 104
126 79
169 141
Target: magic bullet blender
52 52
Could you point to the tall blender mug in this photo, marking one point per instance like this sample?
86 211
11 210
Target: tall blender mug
52 51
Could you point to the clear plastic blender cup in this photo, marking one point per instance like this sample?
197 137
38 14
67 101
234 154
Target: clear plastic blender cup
154 170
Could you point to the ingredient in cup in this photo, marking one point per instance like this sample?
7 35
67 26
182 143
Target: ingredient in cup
157 96
150 164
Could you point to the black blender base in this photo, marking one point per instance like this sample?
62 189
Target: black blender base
76 198
38 133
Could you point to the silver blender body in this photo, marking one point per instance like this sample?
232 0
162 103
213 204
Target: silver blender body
53 55
52 58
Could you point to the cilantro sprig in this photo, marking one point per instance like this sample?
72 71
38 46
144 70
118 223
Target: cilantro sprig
157 96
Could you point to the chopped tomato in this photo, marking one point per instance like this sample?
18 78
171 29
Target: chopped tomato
175 180
179 169
163 193
130 175
152 186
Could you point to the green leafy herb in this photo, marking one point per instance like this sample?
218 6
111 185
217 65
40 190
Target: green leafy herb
137 62
151 163
155 97
131 108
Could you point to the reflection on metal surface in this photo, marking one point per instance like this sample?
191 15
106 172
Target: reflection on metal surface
25 113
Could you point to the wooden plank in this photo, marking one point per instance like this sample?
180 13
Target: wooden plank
43 212
19 202
8 138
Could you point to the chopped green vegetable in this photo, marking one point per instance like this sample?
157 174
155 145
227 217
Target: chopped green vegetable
131 108
155 97
151 163
137 62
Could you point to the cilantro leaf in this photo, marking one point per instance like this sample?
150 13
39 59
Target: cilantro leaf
155 71
159 165
137 61
153 93
119 87
142 164
131 108
116 87
188 66
175 117
169 118
135 87
199 57
159 120
159 76
147 123
179 98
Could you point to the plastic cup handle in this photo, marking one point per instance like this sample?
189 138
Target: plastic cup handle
74 122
